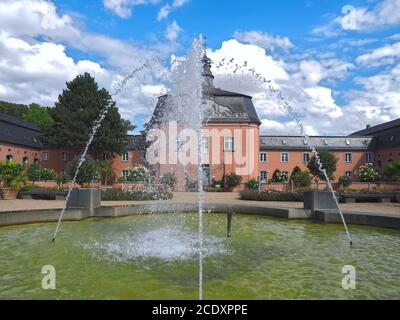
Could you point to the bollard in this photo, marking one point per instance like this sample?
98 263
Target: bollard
229 216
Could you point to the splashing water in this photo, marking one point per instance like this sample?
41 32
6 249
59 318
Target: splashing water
284 106
95 127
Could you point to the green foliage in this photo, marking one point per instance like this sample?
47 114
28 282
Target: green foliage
278 176
169 180
87 172
271 195
191 186
127 195
252 184
233 180
392 171
33 113
36 173
12 174
296 170
367 173
61 179
138 174
78 107
328 161
301 179
345 181
106 172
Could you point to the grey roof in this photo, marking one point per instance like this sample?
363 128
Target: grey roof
300 143
378 129
137 142
19 132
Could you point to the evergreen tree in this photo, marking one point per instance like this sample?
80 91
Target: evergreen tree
74 114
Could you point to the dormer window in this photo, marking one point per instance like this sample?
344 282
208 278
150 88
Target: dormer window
284 142
325 142
348 142
305 142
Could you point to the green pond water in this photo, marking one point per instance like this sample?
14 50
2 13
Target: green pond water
156 257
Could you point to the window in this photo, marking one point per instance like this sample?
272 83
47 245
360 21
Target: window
379 163
369 158
264 176
206 144
306 157
125 174
348 157
285 157
45 156
125 157
36 161
348 174
263 157
25 160
106 156
229 144
64 156
9 157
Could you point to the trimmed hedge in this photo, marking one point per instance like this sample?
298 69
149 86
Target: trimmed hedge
271 195
126 195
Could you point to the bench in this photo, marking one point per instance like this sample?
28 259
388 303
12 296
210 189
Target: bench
381 197
42 194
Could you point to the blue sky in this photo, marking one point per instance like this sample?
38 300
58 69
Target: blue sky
337 62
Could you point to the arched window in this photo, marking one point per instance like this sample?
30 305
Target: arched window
9 157
25 160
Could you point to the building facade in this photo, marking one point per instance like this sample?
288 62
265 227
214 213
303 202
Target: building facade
231 143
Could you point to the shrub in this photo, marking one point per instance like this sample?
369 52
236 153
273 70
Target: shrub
138 174
47 174
278 176
12 174
87 172
37 173
61 179
191 186
252 184
392 171
295 171
301 179
169 180
128 195
345 181
233 180
271 195
368 174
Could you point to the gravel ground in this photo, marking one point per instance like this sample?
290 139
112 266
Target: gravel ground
179 197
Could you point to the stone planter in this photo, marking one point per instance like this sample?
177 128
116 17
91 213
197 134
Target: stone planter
397 196
9 193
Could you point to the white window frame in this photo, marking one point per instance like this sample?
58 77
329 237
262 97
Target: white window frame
45 156
125 157
9 157
266 176
287 157
229 144
346 157
64 156
125 175
369 157
263 157
205 145
349 174
308 155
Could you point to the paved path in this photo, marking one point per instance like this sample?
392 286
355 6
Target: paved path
180 197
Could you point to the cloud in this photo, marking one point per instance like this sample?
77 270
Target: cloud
123 8
385 14
380 56
168 8
172 32
264 40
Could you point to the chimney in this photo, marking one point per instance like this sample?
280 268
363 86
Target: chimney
368 126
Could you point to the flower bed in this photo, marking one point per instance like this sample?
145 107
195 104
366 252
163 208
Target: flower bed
272 195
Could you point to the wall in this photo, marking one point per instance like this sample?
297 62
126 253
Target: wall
384 155
19 152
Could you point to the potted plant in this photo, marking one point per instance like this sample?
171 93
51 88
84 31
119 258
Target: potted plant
233 182
12 178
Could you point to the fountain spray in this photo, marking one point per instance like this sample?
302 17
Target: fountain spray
96 125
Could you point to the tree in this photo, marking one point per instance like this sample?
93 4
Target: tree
328 161
106 172
77 108
278 176
61 179
296 170
233 180
169 180
138 174
392 171
344 181
87 172
367 173
301 179
34 172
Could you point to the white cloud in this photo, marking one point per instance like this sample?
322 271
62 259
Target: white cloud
123 8
264 40
172 32
168 8
380 56
385 13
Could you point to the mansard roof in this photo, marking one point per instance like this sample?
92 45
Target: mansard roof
321 142
19 132
137 142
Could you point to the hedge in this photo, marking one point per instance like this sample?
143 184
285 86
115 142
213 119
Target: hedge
271 195
127 195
